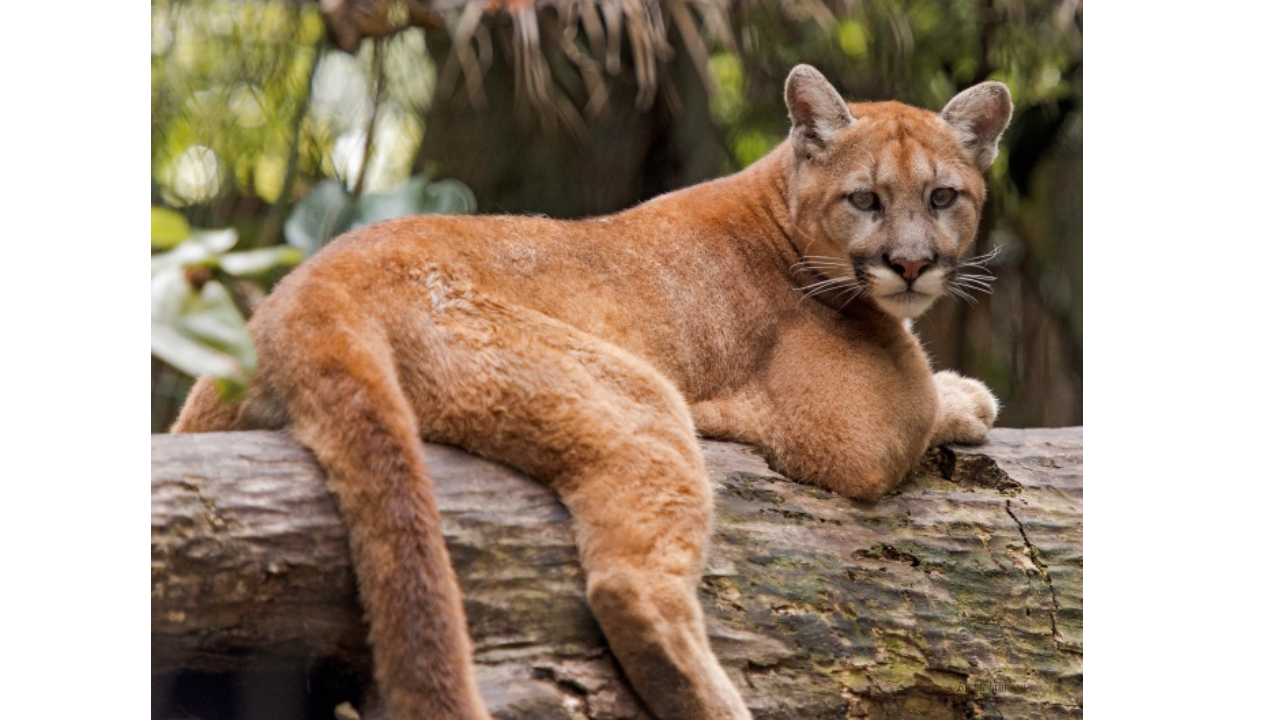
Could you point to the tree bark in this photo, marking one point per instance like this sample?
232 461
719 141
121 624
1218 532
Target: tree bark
957 596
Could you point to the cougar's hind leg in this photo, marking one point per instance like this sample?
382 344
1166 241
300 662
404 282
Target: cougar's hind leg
643 508
616 441
203 411
348 408
642 548
259 409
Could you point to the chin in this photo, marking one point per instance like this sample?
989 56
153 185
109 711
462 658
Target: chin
905 305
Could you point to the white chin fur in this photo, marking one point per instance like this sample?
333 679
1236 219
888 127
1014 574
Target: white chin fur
905 306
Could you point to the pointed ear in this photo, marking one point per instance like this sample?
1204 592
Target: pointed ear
817 111
979 115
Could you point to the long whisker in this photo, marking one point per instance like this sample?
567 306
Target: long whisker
834 275
826 281
824 284
821 260
962 294
857 293
976 288
825 259
976 277
819 287
962 283
820 263
856 288
840 270
821 266
981 261
972 282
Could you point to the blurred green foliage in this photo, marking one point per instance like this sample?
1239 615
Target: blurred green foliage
196 325
263 130
920 52
330 209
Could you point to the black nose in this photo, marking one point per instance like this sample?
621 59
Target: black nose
909 269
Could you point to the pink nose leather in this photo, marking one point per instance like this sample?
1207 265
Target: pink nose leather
909 269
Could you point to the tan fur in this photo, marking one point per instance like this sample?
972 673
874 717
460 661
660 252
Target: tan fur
586 352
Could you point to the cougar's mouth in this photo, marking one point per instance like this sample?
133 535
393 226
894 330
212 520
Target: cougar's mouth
907 295
905 304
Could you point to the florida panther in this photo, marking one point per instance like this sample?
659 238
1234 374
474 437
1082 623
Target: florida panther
771 307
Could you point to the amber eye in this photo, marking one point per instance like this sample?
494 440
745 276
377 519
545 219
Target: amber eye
942 198
865 200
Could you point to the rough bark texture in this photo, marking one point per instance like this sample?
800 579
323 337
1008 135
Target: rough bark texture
958 596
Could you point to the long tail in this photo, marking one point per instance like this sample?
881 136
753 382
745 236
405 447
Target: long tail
346 405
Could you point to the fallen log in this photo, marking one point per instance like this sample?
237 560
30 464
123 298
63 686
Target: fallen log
958 596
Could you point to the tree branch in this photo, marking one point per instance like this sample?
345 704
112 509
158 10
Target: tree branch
959 595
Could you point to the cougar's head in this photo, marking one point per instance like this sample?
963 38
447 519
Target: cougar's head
885 198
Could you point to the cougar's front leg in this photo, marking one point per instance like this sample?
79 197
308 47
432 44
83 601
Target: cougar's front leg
966 410
852 417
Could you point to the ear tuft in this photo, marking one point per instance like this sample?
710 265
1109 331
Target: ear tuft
979 115
817 111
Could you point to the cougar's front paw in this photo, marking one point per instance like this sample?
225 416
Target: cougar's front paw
966 409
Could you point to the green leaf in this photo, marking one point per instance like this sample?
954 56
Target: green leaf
726 100
256 263
212 317
168 227
203 248
329 209
188 354
201 332
417 196
853 38
404 200
448 197
168 292
325 212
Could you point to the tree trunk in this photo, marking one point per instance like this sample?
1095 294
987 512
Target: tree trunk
958 596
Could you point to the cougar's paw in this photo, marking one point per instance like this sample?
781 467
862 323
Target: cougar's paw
966 409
